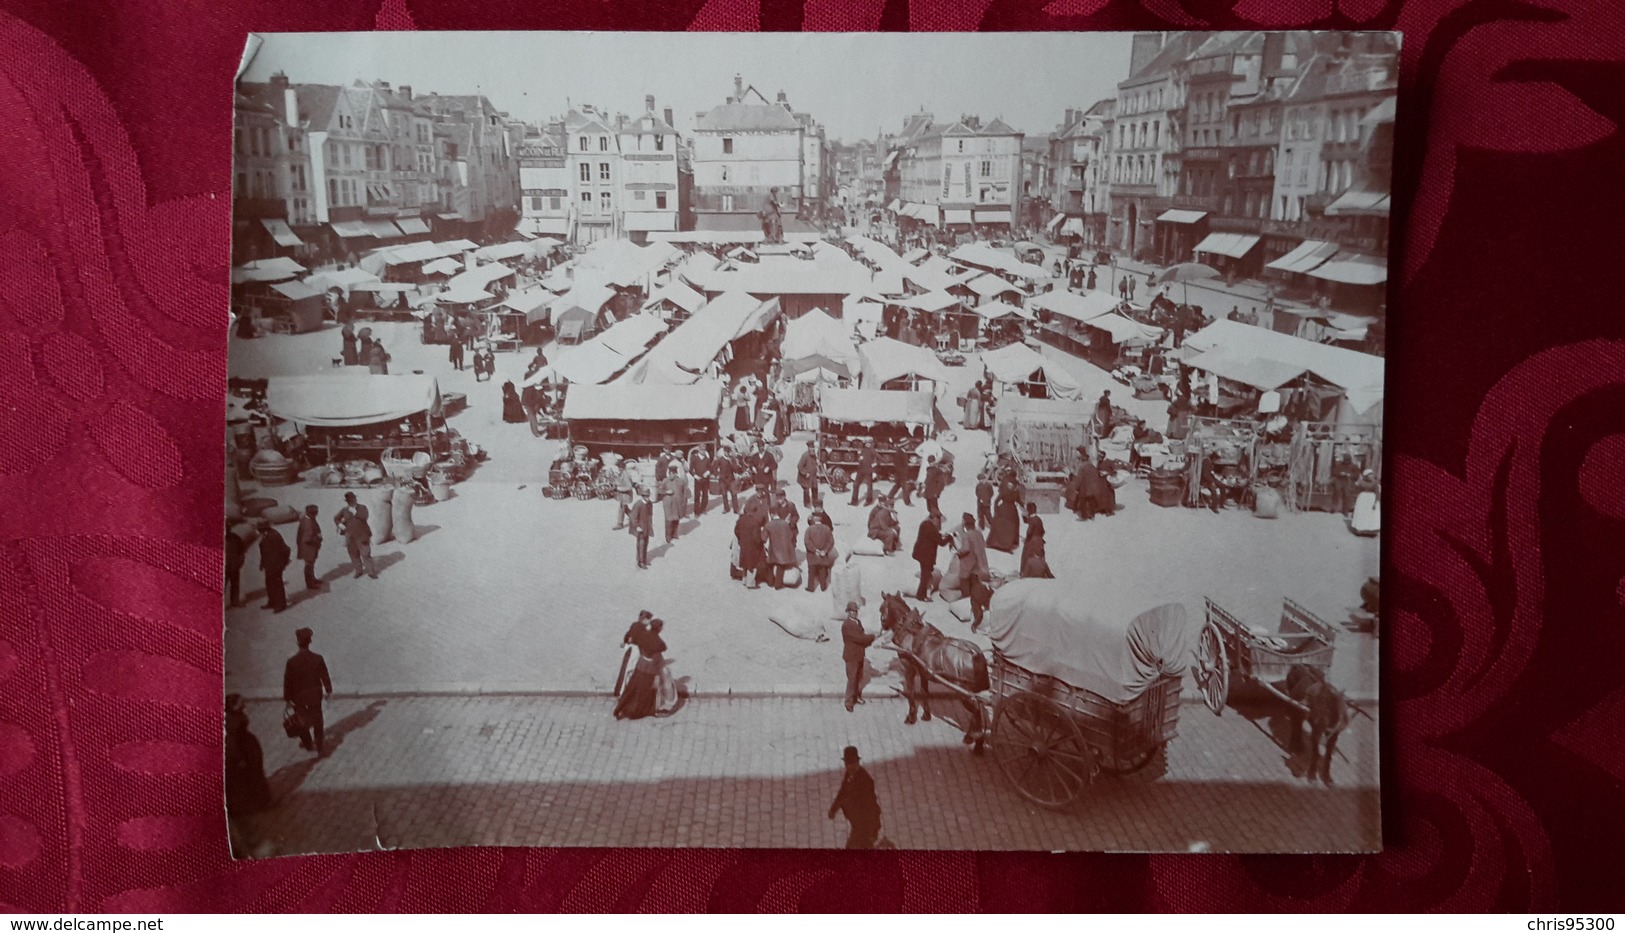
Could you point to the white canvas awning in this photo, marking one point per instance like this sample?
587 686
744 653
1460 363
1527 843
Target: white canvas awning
1018 363
1181 217
1233 245
875 406
701 401
953 216
350 228
633 335
996 215
532 303
1073 226
1055 222
351 399
281 232
990 285
1125 331
445 265
997 309
1084 307
266 270
412 226
1305 256
1353 269
885 359
478 277
587 364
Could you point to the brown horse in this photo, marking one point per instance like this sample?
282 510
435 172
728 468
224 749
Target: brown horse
1328 716
926 651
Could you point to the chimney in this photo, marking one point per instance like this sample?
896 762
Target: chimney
1070 118
669 121
279 81
648 103
1274 52
1145 47
739 86
406 91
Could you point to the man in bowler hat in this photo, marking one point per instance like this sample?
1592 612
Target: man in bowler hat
856 800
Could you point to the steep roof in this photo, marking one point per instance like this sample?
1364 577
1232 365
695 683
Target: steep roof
747 117
1176 51
649 123
316 104
999 128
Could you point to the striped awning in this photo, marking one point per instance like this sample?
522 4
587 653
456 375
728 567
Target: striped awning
382 229
1233 245
1307 255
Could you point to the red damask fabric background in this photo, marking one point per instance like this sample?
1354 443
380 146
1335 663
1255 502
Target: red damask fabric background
1505 642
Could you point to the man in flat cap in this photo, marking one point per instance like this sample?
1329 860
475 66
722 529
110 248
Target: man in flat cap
303 683
856 800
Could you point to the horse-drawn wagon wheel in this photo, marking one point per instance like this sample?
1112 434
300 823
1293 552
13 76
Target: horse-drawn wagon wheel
1041 751
1212 669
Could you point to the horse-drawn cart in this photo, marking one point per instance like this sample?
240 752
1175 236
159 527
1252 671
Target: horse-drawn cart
1230 652
1072 691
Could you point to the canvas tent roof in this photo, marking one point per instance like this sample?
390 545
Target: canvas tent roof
464 294
351 399
532 303
1086 639
685 352
701 401
679 294
989 285
885 359
1125 330
585 296
633 335
1044 410
978 254
1082 307
445 265
342 279
295 291
1359 375
480 276
930 301
876 405
1017 362
1261 374
998 309
266 270
916 254
500 251
815 335
588 363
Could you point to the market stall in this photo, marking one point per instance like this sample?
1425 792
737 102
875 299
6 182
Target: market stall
1019 369
1062 316
886 420
355 417
638 421
1042 436
892 364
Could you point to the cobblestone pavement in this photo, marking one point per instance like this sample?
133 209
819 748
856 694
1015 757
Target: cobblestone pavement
411 772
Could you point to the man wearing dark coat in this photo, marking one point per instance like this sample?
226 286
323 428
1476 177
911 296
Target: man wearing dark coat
780 541
274 556
807 475
247 790
984 502
820 544
304 681
234 566
936 479
352 523
455 351
926 544
856 801
903 471
642 524
883 527
748 531
699 467
865 473
853 642
727 467
309 541
350 352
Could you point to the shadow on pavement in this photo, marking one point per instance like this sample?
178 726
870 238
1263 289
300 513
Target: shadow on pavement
288 778
936 798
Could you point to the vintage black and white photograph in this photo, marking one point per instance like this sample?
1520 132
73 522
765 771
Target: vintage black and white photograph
933 441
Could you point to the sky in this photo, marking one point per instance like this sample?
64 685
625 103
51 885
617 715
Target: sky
855 84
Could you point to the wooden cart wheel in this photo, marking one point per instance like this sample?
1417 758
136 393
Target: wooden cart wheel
1041 751
1131 765
1212 669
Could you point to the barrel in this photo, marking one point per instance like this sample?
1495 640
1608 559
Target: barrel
1167 488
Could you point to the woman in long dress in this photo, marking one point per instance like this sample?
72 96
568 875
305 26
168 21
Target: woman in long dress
973 407
513 410
639 697
1005 533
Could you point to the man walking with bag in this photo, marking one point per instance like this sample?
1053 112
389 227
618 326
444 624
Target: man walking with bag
304 681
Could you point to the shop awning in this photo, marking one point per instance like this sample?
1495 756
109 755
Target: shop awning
1078 307
998 309
894 205
350 228
274 269
351 399
701 401
643 222
1234 245
449 215
993 215
930 301
382 229
1181 217
1382 113
532 304
1055 222
931 214
1353 269
481 276
875 406
1258 372
540 226
1305 256
1359 202
952 216
1073 226
281 232
443 266
1126 331
412 226
633 335
465 294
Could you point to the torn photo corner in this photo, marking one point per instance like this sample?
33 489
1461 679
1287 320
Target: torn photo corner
716 451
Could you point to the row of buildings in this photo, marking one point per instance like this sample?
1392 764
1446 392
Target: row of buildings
332 170
1257 152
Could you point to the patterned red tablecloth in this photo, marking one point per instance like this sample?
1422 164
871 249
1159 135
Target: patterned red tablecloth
1505 685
